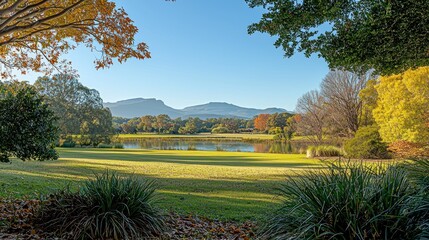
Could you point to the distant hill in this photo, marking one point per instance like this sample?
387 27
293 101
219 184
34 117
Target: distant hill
227 109
138 107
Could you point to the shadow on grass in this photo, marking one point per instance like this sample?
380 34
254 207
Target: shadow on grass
221 160
223 197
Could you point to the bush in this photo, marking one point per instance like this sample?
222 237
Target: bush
108 207
367 144
68 144
220 130
323 151
350 202
116 145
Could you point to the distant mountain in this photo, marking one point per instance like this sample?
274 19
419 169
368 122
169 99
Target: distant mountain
138 107
227 109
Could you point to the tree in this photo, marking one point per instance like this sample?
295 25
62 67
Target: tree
79 109
368 96
388 36
27 129
146 123
261 122
162 122
402 110
341 92
313 115
35 33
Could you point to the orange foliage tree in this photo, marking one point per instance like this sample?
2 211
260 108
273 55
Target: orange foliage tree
261 122
35 33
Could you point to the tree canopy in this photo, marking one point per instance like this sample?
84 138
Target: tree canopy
402 110
35 33
79 109
27 129
388 36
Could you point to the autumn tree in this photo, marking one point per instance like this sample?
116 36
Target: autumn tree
388 36
313 116
402 110
146 123
35 33
261 122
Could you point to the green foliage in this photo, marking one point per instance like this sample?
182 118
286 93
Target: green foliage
389 36
323 151
79 109
367 144
220 129
116 145
368 96
108 207
419 172
68 144
351 201
27 128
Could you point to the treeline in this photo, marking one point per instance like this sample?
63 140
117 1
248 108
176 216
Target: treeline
373 116
267 123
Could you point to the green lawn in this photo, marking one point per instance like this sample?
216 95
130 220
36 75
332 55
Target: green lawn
218 185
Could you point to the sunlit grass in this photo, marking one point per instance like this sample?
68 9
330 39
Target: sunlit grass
223 185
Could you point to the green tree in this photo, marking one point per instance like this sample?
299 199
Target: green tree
79 109
389 36
27 129
162 122
368 96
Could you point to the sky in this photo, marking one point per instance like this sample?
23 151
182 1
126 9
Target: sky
201 52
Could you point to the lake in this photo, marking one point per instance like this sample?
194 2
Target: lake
229 146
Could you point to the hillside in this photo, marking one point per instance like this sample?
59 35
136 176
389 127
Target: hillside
140 107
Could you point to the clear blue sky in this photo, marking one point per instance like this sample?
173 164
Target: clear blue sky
201 53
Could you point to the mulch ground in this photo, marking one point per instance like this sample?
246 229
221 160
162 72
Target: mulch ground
17 222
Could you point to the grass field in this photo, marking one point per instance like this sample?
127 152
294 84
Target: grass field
218 185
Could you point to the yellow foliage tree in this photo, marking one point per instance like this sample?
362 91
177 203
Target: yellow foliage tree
402 110
35 33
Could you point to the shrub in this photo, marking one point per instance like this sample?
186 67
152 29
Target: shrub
323 151
349 202
115 145
220 130
118 145
108 207
68 144
366 144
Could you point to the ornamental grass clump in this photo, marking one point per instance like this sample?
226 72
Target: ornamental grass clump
108 207
350 201
323 151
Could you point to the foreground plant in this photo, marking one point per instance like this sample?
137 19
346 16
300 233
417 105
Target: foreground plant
108 207
350 201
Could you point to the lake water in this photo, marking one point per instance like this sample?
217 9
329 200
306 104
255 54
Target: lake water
229 146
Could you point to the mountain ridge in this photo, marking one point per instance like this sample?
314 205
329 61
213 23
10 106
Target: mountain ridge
137 107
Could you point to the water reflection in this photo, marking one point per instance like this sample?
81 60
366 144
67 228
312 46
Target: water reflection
229 146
